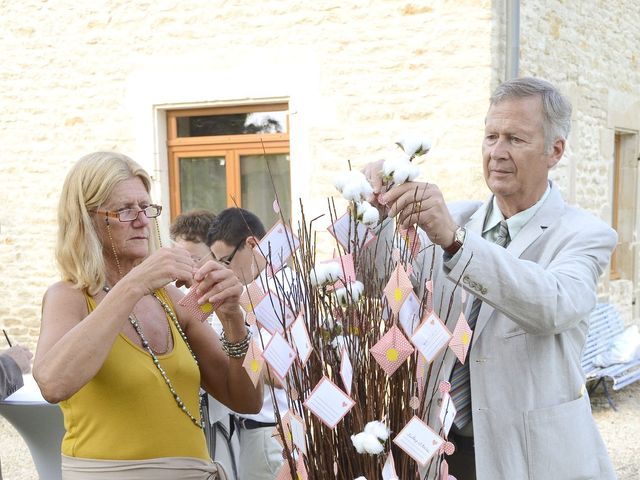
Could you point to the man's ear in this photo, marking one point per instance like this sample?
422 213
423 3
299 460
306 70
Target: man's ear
557 151
252 241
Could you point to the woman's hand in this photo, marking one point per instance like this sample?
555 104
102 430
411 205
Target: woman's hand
219 286
163 266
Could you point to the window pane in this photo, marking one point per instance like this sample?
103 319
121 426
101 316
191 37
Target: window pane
232 124
257 189
203 183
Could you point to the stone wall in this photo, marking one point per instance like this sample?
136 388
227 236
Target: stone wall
83 76
591 50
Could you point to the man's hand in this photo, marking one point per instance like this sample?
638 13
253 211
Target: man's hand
22 356
373 172
421 203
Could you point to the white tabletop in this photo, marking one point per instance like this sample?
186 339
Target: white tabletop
29 394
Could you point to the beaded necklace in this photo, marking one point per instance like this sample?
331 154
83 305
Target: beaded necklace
145 344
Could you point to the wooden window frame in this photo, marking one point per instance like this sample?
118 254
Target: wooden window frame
231 147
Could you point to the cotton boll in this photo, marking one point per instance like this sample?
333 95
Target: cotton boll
414 145
367 213
358 442
341 181
377 429
356 290
318 276
389 166
342 295
414 171
371 216
391 163
362 207
324 273
371 444
345 296
401 173
354 186
332 271
366 443
352 192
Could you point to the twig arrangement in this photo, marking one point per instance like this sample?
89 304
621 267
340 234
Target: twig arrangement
344 318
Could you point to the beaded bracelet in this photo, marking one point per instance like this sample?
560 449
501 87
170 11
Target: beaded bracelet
236 349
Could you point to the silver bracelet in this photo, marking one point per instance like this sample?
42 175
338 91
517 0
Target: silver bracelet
236 349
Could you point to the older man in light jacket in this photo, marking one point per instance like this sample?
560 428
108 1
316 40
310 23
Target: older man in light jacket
533 263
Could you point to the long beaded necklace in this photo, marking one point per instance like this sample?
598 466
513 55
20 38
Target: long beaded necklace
145 344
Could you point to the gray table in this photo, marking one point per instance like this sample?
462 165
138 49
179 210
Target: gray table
40 424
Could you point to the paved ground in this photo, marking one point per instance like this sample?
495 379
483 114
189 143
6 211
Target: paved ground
620 430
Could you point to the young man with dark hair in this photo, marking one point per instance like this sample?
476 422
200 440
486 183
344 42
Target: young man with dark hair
232 237
189 230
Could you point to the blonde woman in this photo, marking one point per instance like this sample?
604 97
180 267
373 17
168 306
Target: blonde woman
116 350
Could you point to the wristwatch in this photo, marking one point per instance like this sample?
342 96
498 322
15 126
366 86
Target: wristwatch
458 240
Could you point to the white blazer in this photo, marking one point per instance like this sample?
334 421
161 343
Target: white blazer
531 412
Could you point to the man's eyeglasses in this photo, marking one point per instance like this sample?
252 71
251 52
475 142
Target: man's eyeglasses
226 260
131 214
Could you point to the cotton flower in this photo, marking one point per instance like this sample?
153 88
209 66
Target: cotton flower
414 145
378 429
324 273
367 443
349 295
367 214
353 186
399 169
391 163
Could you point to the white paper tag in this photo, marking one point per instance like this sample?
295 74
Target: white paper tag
419 441
328 402
431 337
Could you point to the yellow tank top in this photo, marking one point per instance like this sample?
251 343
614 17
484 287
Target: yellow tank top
126 412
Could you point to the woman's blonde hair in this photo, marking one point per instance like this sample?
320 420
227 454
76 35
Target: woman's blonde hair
88 185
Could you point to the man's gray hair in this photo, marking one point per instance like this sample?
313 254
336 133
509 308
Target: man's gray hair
556 108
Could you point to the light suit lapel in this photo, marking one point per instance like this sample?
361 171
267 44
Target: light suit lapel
550 211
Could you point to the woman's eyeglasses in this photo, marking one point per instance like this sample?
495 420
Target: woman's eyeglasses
131 214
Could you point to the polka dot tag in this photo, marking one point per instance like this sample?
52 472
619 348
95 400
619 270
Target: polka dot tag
414 403
448 448
444 387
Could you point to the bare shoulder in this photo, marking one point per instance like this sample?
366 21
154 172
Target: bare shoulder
63 295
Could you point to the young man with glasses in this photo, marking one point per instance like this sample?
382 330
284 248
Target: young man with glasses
189 230
232 237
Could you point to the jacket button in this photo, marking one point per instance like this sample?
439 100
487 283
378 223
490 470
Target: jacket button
465 279
484 291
